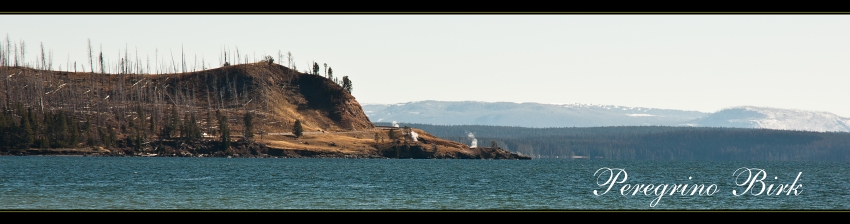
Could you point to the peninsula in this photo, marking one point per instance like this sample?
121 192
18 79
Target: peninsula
259 109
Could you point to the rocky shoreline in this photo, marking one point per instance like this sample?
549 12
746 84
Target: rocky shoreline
243 149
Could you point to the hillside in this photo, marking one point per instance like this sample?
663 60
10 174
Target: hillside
188 113
276 93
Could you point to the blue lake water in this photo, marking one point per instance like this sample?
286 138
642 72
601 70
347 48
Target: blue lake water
127 183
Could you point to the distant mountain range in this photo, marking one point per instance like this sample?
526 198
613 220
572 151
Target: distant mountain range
590 115
774 118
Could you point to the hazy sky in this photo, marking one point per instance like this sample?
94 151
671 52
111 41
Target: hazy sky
691 62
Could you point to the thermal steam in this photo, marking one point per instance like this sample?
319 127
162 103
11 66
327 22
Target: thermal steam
474 141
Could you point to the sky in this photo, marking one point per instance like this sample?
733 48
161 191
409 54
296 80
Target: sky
687 62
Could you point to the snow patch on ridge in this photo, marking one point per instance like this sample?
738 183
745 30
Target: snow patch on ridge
781 119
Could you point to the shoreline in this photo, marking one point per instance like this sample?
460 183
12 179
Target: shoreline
242 149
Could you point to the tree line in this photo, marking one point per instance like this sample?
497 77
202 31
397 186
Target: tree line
22 129
656 142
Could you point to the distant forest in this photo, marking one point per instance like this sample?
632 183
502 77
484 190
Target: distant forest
653 142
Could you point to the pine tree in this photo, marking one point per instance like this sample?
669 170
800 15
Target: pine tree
138 141
26 133
153 126
35 125
297 129
3 119
405 132
194 130
210 123
269 59
249 126
346 84
5 133
225 131
185 130
43 143
87 129
131 124
171 123
73 132
104 137
141 117
111 140
392 135
59 129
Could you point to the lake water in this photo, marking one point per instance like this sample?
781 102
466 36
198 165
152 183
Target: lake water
126 183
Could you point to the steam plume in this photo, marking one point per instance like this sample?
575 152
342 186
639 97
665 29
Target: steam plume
474 141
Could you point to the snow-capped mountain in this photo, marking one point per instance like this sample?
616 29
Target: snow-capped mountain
589 115
525 114
774 118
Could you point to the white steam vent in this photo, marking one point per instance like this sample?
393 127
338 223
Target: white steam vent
474 141
414 135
